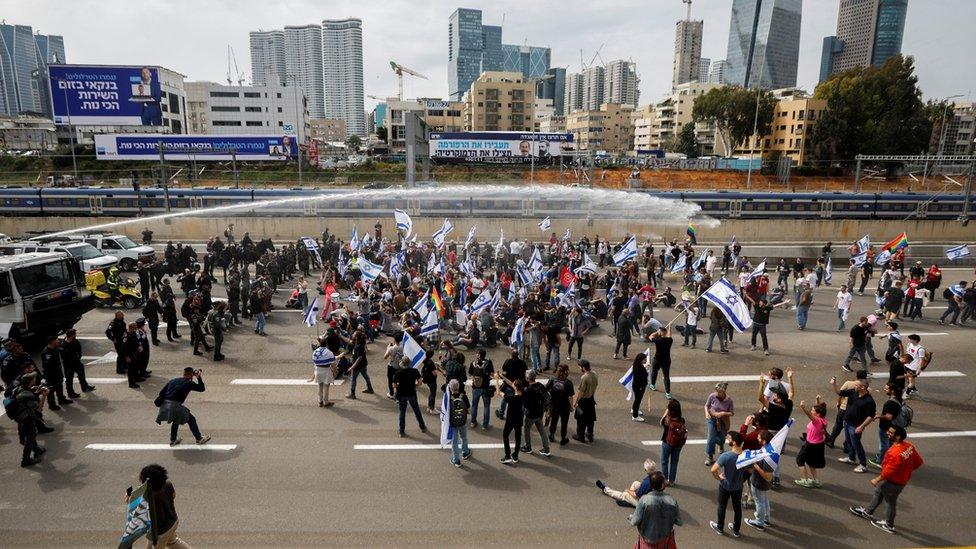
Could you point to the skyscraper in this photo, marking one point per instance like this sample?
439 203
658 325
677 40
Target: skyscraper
573 96
268 58
553 86
21 53
621 84
594 80
342 72
868 33
303 65
687 52
531 61
718 72
465 46
764 43
703 67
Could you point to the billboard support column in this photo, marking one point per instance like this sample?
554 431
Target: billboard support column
233 167
162 176
72 129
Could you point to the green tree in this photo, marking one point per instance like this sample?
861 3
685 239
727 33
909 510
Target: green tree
686 142
733 111
354 142
381 133
872 110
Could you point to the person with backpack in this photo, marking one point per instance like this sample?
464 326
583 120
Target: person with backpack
405 383
893 412
537 401
900 461
920 359
673 439
22 406
561 391
481 370
954 298
458 407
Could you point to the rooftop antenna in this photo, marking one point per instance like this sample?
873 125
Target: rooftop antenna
689 9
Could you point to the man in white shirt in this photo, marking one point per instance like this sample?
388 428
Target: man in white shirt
710 261
843 305
915 367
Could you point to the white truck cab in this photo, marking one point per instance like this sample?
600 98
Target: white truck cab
41 294
88 256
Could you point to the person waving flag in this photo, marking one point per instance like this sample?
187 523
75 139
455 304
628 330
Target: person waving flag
724 296
626 252
545 224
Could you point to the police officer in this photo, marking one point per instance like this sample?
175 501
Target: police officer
29 399
71 360
53 373
143 363
197 318
130 355
151 311
218 325
115 333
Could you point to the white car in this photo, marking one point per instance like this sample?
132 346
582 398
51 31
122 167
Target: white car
87 255
116 245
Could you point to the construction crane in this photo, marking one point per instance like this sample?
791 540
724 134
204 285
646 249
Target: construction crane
399 70
240 75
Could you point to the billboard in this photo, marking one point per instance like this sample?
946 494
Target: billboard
105 95
142 146
498 146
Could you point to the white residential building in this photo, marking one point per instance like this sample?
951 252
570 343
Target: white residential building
573 95
656 125
687 52
621 84
235 110
718 72
342 58
268 66
703 66
303 63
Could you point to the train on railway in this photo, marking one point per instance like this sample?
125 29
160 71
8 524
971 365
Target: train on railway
124 202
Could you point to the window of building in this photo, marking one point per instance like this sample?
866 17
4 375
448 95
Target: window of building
279 95
279 109
174 103
252 109
252 94
280 123
253 123
224 94
226 122
219 108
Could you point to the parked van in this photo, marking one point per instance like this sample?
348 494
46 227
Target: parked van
119 246
88 256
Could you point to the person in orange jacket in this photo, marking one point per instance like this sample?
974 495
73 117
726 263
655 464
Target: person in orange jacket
900 461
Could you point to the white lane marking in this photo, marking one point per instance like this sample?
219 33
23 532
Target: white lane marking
942 434
483 446
107 380
278 382
695 441
92 338
108 358
753 378
929 333
951 373
119 447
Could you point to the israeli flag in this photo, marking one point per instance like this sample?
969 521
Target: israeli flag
535 262
467 270
354 240
759 270
431 264
628 382
511 292
626 252
311 315
612 290
828 272
470 237
370 271
442 233
860 259
699 260
567 235
727 299
496 299
957 252
883 258
430 324
447 432
680 264
588 265
518 333
733 242
396 266
420 307
439 268
957 290
367 240
545 224
342 263
525 277
413 351
403 222
770 453
863 244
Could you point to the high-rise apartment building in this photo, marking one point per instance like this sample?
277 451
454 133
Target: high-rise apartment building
718 72
703 67
621 84
657 125
687 52
594 79
868 33
616 83
573 96
21 53
500 101
303 65
342 73
531 61
764 43
552 85
268 66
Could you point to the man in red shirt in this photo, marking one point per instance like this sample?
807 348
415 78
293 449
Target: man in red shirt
900 461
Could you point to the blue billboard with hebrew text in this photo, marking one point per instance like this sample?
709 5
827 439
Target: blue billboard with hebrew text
202 148
105 95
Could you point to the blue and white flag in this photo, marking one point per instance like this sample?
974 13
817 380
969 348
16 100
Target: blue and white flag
481 302
957 252
525 277
770 453
420 307
759 270
396 266
882 258
431 263
545 224
447 432
588 265
413 351
313 249
367 240
462 293
354 240
440 268
511 292
733 242
626 252
311 315
470 236
701 259
628 382
467 269
403 222
860 259
680 264
957 290
431 324
612 290
727 299
567 235
496 299
442 233
828 272
535 262
863 244
370 271
518 332
342 263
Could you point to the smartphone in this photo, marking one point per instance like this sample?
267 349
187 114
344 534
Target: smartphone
128 491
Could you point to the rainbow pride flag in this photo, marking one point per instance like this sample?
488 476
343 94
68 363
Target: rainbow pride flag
436 297
691 234
897 243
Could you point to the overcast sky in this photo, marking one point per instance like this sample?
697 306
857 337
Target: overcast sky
191 36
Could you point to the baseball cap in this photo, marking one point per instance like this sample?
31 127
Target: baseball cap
721 386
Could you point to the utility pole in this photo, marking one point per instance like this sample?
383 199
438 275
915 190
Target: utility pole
299 123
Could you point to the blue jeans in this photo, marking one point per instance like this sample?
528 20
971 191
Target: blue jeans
552 352
460 435
712 332
669 461
355 376
885 443
762 504
801 316
856 452
536 357
259 327
840 317
480 395
691 332
716 436
191 422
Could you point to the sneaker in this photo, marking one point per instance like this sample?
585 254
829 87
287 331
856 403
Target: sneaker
638 419
708 350
753 348
514 461
507 461
456 463
203 440
735 533
600 484
726 351
861 512
545 453
389 396
766 353
466 455
368 391
175 442
709 462
499 414
525 450
860 469
816 484
714 526
351 396
667 396
652 387
804 482
846 459
776 484
847 368
761 526
875 360
883 525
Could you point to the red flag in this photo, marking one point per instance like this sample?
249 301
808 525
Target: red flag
566 277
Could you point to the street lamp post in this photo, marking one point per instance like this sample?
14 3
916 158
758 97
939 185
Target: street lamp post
299 123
